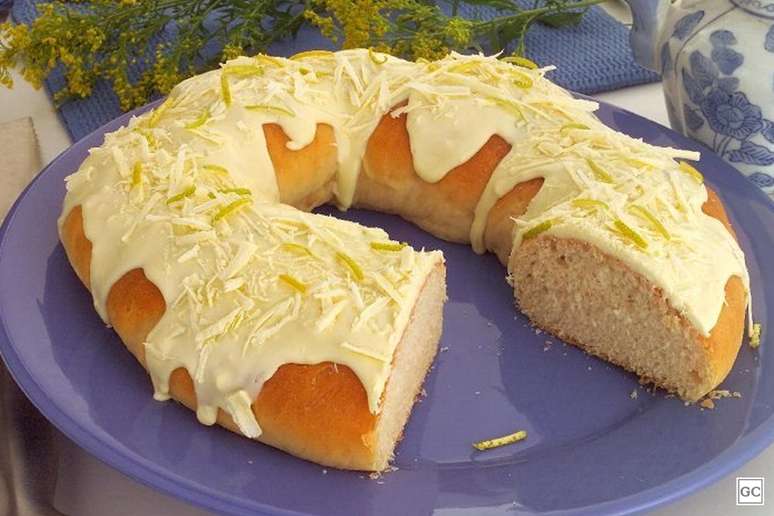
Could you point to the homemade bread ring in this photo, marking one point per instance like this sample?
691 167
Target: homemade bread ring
321 412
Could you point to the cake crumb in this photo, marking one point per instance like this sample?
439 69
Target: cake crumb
707 403
444 349
633 395
755 335
376 475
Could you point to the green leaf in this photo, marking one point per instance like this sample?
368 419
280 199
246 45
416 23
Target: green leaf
562 19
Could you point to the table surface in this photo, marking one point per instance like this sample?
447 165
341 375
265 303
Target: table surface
87 487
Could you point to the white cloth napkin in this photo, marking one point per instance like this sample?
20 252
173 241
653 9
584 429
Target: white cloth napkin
19 160
27 459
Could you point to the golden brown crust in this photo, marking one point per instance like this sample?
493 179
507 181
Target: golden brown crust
499 224
725 339
320 411
390 184
305 176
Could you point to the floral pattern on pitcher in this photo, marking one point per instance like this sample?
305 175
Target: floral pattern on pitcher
716 58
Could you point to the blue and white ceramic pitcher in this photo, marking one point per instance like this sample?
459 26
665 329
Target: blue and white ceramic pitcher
717 62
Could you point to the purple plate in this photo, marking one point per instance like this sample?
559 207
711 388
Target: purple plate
592 449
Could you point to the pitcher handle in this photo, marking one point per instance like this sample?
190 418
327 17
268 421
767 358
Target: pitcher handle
648 17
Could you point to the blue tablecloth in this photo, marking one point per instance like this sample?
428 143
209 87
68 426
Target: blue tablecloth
591 57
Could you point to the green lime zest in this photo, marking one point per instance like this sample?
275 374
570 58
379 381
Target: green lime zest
352 265
496 442
312 53
589 204
225 89
636 163
243 70
463 67
269 60
238 191
375 59
691 171
521 61
200 121
645 214
159 112
293 283
216 168
755 335
509 106
149 137
230 208
536 230
272 109
137 174
573 126
627 232
524 82
182 195
599 173
297 249
387 246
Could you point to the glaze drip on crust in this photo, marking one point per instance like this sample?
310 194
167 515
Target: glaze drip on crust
188 193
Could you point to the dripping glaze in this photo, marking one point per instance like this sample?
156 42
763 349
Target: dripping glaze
243 276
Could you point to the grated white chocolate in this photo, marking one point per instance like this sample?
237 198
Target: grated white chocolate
188 194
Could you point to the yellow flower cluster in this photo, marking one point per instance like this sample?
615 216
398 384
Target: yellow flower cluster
118 40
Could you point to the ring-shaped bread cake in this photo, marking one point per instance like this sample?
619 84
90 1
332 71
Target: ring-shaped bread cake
313 334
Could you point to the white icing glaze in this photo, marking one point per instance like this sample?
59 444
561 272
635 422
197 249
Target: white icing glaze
264 285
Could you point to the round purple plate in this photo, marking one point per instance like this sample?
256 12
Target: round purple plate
592 449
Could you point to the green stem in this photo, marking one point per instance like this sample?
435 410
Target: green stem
532 13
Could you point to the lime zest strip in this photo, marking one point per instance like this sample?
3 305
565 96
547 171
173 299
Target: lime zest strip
225 89
137 174
293 283
512 107
600 173
216 168
645 214
238 191
589 204
523 82
521 61
230 208
352 265
182 195
755 335
272 109
200 121
149 137
387 246
270 60
375 58
243 70
299 249
627 232
536 230
160 111
496 442
691 171
573 126
463 67
311 53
